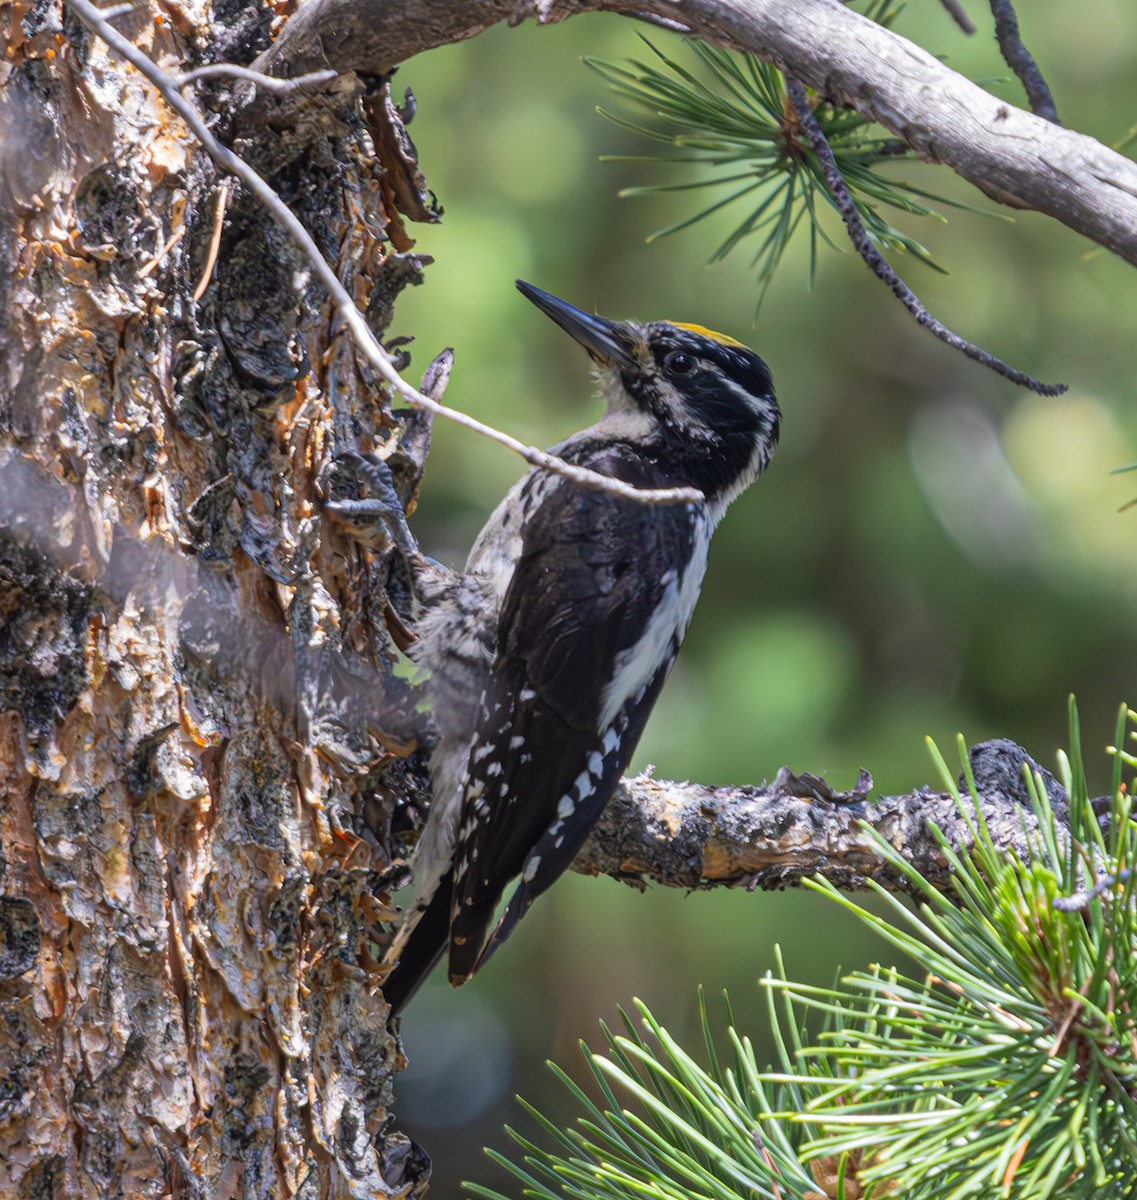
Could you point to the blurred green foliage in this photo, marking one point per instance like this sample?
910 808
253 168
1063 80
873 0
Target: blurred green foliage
932 550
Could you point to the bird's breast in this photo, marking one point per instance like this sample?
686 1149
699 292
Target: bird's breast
494 555
663 630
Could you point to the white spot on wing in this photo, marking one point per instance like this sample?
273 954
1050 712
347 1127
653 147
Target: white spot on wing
531 868
566 807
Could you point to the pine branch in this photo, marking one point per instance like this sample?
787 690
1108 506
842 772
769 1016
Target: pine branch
1000 1062
690 835
1012 156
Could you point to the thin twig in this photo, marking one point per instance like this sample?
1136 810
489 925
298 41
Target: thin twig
214 241
1019 59
1080 900
662 22
270 83
959 16
859 236
169 244
357 326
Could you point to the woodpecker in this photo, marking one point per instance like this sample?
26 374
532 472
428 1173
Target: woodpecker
546 656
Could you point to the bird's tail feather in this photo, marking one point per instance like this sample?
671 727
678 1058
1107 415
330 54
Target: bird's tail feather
422 951
470 949
519 904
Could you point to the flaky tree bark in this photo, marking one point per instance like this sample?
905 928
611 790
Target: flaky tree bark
206 762
197 702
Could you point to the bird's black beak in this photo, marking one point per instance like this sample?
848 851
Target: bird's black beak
607 341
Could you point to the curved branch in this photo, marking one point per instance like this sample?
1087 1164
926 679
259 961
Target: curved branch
1013 156
879 265
1021 61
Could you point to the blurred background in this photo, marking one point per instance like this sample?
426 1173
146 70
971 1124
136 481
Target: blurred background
933 550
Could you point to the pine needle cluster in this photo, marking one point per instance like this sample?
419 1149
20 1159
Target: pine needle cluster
730 119
1004 1065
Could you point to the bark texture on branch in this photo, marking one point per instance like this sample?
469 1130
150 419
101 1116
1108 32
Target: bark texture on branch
693 836
1013 156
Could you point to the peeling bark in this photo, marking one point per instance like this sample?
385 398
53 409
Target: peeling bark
191 725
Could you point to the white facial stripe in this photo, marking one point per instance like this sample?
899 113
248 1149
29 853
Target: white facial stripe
757 404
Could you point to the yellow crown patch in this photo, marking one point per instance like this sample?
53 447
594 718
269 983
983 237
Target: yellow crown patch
703 331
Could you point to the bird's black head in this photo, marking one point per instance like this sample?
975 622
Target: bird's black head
706 400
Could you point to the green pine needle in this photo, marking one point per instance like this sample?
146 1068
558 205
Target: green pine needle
730 117
1006 1066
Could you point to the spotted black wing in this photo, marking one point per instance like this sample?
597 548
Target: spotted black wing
555 732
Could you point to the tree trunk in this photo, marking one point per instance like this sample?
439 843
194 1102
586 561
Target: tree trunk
195 665
207 761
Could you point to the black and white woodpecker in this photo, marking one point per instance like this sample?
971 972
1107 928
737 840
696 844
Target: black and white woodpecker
547 655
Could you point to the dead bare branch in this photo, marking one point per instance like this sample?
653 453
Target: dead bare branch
692 836
270 83
1012 156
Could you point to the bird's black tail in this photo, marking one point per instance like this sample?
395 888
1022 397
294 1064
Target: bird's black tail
424 948
467 960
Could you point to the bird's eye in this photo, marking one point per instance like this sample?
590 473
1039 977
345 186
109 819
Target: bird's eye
679 363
